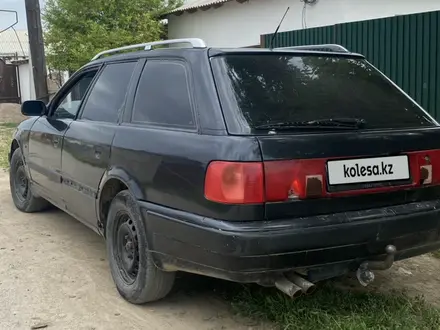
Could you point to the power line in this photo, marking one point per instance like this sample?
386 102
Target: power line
16 19
19 41
304 11
303 16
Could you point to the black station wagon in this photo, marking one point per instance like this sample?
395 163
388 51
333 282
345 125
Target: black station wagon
282 167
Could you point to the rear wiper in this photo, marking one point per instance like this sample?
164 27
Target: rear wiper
330 123
348 122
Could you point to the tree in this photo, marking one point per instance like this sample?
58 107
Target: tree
78 30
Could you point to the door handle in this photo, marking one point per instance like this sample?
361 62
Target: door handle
55 142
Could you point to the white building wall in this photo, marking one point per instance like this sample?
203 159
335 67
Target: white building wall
26 80
240 25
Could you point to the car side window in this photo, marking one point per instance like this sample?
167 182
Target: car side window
69 105
163 95
107 96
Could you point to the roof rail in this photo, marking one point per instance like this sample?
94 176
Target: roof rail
323 48
194 42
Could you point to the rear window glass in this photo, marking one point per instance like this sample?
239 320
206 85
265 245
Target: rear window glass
267 89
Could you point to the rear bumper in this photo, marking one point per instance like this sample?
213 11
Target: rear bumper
249 251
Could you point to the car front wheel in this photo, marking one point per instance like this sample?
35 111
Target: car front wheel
21 192
137 278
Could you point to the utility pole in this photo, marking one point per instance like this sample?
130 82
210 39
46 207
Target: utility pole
36 43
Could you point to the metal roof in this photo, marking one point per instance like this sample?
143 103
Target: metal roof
14 43
198 4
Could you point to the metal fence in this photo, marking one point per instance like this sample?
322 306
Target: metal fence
406 48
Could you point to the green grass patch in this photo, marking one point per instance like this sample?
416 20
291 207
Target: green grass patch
8 125
436 254
6 131
332 308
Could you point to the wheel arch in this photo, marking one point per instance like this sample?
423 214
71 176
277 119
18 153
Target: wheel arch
112 182
14 146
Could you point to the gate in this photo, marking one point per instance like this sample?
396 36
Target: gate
8 83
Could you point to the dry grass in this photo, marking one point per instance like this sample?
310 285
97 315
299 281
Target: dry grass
6 131
10 113
10 117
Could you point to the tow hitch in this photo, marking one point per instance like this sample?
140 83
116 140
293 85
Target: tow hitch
365 273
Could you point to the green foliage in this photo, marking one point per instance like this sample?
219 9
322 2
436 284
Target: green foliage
78 30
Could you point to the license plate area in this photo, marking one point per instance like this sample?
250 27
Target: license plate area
365 173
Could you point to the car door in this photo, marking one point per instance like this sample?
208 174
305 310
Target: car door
88 139
46 136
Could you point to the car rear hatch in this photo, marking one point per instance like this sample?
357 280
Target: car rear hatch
335 134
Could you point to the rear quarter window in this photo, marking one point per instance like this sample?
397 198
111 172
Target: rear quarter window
262 89
163 96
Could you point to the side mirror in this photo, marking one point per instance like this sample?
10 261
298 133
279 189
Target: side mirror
33 108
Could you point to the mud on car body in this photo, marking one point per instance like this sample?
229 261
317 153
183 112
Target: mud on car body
281 167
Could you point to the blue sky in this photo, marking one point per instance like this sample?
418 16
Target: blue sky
7 19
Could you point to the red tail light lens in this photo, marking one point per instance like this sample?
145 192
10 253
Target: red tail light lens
234 183
277 181
248 183
294 179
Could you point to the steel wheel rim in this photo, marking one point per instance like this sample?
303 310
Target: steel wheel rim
126 248
21 183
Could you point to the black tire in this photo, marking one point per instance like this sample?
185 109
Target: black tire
137 278
21 192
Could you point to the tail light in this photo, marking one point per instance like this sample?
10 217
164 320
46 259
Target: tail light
277 181
256 182
294 179
234 183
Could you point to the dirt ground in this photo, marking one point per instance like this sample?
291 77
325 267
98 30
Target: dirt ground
10 113
54 272
416 276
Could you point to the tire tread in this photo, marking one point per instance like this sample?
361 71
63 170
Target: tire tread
32 203
155 284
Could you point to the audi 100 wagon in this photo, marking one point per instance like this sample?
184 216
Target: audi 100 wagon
281 167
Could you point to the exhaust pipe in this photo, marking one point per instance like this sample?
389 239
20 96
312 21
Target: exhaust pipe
287 287
306 286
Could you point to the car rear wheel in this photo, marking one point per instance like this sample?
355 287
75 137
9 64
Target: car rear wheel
21 192
137 278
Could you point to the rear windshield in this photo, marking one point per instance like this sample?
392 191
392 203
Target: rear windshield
261 89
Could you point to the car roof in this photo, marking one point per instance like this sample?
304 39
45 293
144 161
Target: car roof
199 48
163 52
211 52
224 51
